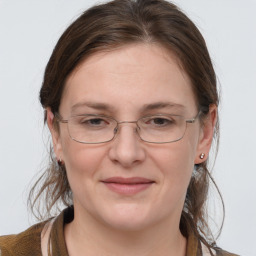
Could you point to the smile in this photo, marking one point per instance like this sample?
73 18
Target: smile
128 186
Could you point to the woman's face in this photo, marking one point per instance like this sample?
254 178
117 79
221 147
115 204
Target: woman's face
126 84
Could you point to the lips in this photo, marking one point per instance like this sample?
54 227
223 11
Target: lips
133 180
128 186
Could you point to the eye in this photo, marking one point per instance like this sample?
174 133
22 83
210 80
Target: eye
89 122
95 121
159 121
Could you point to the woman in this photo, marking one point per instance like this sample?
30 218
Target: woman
131 102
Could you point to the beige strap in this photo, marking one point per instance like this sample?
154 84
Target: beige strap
45 237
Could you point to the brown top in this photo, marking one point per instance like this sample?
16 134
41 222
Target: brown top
28 243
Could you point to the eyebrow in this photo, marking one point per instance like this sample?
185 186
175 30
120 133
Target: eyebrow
94 105
145 107
160 105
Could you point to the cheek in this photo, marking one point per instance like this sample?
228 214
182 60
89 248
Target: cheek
175 159
176 163
82 162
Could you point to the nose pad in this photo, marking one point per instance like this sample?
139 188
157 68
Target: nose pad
137 129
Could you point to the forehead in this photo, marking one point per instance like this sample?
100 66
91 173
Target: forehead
130 77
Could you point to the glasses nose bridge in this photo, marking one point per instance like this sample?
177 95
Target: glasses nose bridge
126 122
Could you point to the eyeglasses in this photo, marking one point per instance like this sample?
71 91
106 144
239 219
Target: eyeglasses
95 129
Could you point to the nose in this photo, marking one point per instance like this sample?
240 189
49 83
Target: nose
127 148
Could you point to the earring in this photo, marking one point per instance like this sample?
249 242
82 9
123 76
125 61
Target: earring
60 162
202 156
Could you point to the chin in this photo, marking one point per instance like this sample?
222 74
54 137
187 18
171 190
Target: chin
128 224
128 218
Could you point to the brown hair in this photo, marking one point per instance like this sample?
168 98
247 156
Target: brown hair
115 24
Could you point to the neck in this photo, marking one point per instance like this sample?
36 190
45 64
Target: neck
89 236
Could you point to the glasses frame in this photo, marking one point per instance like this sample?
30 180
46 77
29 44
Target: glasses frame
60 119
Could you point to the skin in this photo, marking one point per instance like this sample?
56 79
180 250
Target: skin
147 222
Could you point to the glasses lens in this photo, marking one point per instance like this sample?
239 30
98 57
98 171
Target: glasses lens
162 128
154 129
91 128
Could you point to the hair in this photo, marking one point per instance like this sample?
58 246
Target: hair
115 24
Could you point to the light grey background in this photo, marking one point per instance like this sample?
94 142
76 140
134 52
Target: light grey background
29 30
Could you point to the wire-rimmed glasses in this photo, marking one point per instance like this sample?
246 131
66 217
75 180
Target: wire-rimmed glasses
95 129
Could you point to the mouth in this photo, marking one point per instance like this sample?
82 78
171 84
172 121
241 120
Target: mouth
127 186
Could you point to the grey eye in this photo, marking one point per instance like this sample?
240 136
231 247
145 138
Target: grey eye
161 121
96 121
93 122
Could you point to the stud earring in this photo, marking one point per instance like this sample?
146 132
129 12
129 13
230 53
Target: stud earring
60 162
202 156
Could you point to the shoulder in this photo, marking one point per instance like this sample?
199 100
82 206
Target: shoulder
221 252
26 243
29 241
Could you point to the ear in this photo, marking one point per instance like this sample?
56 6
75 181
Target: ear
206 135
54 134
